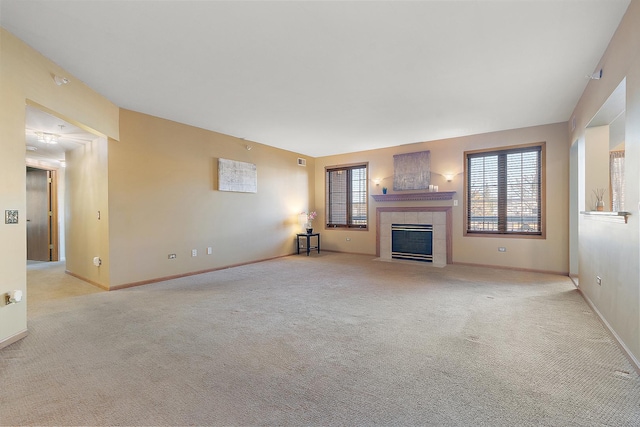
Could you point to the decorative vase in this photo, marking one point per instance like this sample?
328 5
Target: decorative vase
384 190
600 205
309 227
309 230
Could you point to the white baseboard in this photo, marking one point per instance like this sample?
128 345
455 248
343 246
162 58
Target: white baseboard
13 338
632 359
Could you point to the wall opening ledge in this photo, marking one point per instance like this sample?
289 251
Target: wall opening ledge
620 217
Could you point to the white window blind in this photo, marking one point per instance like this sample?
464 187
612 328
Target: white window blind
616 169
504 191
346 196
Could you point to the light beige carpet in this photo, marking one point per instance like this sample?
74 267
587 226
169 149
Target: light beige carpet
330 339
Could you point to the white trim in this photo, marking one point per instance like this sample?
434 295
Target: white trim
13 338
632 359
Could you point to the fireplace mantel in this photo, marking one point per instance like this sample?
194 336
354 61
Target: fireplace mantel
402 197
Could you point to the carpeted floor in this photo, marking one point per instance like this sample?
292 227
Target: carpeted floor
330 339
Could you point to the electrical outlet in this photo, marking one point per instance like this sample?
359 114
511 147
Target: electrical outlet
502 249
172 256
194 252
599 280
348 239
455 203
209 250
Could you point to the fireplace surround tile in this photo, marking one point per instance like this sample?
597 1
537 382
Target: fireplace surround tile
425 218
440 217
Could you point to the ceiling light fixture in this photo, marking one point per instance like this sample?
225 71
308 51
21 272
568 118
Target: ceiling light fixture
47 138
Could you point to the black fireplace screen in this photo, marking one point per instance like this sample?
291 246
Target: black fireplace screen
412 241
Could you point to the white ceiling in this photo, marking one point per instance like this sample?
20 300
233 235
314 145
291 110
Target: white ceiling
329 77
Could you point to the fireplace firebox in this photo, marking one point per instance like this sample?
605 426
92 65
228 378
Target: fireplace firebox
412 242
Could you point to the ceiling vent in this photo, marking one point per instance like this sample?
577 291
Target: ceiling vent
302 162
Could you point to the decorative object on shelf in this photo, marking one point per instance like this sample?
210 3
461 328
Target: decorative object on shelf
310 217
384 190
599 193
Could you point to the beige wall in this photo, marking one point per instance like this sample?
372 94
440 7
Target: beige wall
605 249
447 156
163 199
87 212
26 76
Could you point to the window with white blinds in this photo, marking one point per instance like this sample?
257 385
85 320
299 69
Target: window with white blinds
616 169
504 191
346 196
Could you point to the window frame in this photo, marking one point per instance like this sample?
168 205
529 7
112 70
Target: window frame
543 178
349 226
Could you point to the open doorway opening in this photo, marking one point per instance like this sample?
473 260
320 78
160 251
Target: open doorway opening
49 139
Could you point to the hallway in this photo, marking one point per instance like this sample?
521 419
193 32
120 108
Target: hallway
47 282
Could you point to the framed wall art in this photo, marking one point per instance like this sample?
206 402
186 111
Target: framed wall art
237 176
412 171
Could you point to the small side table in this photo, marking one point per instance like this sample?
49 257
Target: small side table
308 236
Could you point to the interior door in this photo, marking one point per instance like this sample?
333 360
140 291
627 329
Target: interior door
38 215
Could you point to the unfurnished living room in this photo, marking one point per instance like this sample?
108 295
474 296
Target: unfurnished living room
320 212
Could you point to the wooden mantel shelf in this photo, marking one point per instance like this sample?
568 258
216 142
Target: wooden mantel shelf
403 197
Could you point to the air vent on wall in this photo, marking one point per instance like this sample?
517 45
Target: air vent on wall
302 162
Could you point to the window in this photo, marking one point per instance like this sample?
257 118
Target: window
616 169
346 196
504 191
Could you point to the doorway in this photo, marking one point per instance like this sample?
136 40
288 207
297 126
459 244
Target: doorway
42 215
